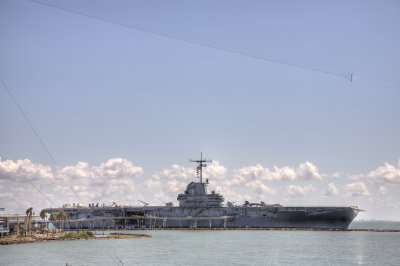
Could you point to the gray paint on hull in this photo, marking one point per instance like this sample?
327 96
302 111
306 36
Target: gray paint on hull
237 217
197 208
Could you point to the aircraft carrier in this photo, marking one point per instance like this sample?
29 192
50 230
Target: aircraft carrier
200 209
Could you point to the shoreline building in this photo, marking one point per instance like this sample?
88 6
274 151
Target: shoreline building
3 230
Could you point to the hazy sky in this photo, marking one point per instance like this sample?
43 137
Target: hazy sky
123 108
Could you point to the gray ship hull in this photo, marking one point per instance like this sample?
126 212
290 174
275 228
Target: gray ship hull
222 217
200 209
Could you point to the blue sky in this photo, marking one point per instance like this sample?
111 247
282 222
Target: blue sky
96 91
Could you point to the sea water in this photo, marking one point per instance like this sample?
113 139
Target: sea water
219 247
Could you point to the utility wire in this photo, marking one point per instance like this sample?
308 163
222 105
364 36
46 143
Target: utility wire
34 131
370 84
28 121
348 76
116 256
381 79
194 42
41 192
44 195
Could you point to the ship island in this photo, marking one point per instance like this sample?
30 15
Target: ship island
200 209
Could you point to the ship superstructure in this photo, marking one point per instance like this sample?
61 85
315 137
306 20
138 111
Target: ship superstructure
200 209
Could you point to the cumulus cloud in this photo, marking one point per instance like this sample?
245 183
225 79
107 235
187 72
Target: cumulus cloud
332 190
305 171
382 190
105 182
110 179
356 177
215 171
22 170
386 174
171 181
260 187
115 168
176 171
258 172
263 189
308 171
299 191
119 180
356 189
336 175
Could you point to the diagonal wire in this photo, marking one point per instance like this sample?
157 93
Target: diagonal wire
376 85
28 121
34 130
192 42
381 79
348 76
116 256
44 195
33 185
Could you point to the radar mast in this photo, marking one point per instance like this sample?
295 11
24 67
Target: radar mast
202 164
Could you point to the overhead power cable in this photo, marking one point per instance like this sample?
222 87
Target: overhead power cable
381 79
33 185
349 76
35 131
345 75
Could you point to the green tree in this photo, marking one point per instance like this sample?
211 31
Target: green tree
62 216
43 215
53 218
28 212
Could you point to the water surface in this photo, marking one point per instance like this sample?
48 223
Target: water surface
215 248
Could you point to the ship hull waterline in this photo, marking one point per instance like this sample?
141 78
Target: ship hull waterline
240 217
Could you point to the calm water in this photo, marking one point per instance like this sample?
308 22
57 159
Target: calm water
218 248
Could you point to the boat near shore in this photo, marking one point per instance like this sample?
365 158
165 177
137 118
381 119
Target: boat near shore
200 209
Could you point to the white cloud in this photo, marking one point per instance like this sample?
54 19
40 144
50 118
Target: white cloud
249 173
215 171
336 175
176 171
172 181
299 191
5 195
308 171
263 189
386 174
96 183
332 190
120 180
103 183
356 189
260 188
356 177
305 171
383 190
22 170
284 173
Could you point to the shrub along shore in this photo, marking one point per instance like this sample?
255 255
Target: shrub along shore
68 236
